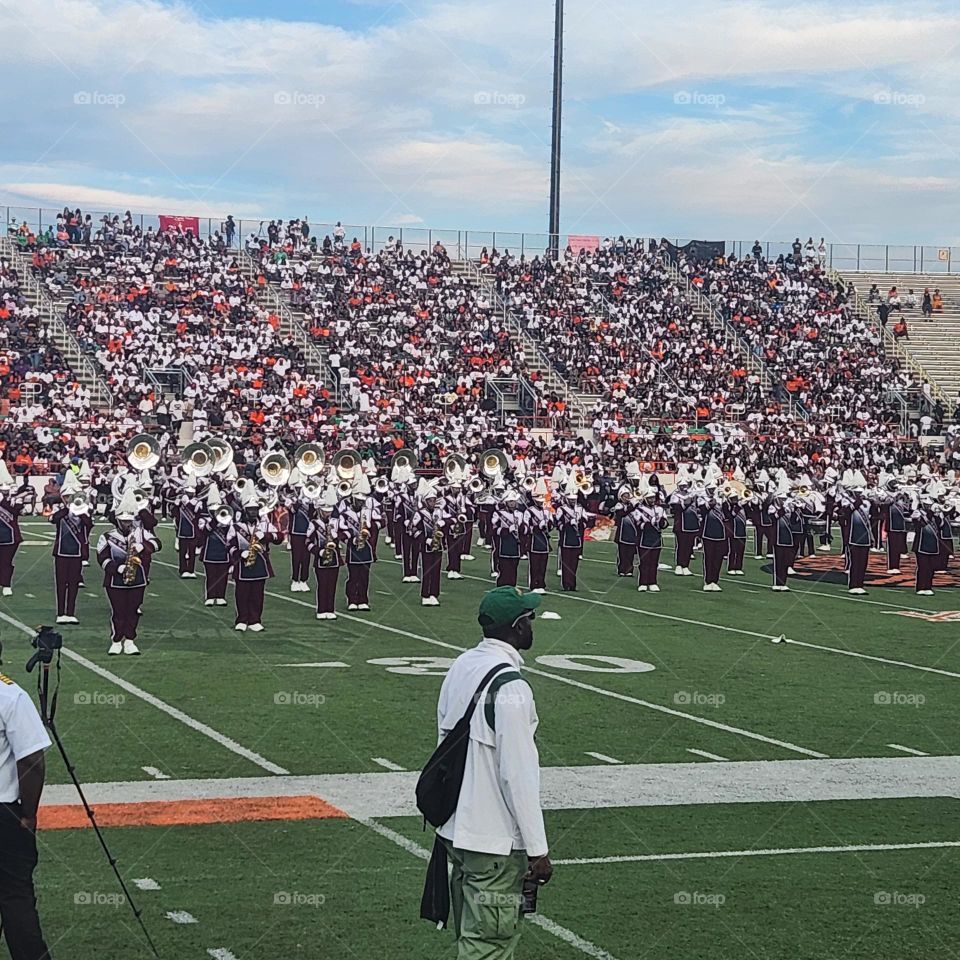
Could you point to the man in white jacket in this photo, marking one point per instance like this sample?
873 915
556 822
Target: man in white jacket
496 838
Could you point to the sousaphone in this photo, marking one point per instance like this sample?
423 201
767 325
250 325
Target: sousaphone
143 452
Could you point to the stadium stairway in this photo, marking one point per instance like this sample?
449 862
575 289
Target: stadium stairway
933 347
82 366
579 404
293 324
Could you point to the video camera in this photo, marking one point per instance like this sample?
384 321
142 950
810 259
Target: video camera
47 642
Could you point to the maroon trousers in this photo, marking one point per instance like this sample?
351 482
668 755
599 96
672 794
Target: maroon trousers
713 553
762 540
569 562
430 581
896 548
926 567
124 603
736 548
299 558
248 596
412 548
358 583
626 552
454 552
466 545
67 573
685 542
943 560
507 574
215 585
187 555
7 553
857 558
538 571
782 561
649 560
327 578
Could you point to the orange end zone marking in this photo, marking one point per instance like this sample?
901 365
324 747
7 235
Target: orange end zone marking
179 813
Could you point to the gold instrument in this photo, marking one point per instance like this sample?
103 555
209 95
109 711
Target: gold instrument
222 454
436 541
382 485
364 536
346 462
493 463
132 563
329 549
584 483
254 549
309 459
198 460
275 469
143 452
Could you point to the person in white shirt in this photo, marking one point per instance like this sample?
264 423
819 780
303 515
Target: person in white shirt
22 770
496 837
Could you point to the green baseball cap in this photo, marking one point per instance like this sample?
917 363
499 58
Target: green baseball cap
503 606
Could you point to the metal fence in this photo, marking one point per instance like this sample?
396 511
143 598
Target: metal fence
469 244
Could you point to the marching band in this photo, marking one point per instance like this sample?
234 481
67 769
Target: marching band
330 516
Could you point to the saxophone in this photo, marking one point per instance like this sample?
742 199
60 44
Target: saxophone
363 538
436 541
329 550
253 550
132 563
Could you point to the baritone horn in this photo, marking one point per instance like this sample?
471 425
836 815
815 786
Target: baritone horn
143 452
198 460
275 469
309 459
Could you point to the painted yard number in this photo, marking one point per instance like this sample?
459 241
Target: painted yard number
592 663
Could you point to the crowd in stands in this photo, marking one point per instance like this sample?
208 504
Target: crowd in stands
412 343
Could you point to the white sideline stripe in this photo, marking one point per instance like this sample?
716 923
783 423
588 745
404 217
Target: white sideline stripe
329 663
155 773
545 923
388 764
603 757
146 883
221 953
196 725
867 656
916 753
585 686
181 916
772 852
708 756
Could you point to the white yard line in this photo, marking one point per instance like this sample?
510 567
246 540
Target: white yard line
708 756
602 756
135 691
155 773
772 852
388 764
867 656
916 753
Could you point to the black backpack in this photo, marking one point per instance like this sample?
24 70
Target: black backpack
438 789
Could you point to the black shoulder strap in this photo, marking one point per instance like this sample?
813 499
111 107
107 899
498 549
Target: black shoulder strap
488 708
475 699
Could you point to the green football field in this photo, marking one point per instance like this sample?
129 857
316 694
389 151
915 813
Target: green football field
710 793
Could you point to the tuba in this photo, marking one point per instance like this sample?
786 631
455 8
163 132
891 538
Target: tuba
346 462
198 460
143 452
222 454
275 469
453 466
493 464
309 459
404 458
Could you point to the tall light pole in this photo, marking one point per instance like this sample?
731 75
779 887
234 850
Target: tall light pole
555 145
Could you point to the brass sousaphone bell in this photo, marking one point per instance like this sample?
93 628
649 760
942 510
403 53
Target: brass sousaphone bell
143 452
222 454
309 459
346 462
493 463
198 460
454 466
275 469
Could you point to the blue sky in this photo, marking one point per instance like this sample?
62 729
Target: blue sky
741 120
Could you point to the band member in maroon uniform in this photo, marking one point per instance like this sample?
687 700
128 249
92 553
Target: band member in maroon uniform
626 533
455 504
215 536
736 520
539 522
652 519
119 555
946 537
926 545
428 527
71 546
509 530
185 513
323 542
300 513
10 535
713 533
782 541
250 555
571 520
859 538
412 548
358 520
898 512
686 525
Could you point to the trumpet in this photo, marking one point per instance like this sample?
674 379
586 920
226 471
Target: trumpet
143 452
311 490
344 488
476 485
529 484
382 485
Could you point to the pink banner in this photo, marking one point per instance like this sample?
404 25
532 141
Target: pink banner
578 242
180 223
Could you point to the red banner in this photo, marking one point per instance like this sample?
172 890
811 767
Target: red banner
578 242
180 223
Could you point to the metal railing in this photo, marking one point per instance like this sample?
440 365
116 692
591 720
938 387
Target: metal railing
81 364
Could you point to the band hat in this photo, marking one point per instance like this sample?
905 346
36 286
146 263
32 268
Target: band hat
70 484
248 497
328 499
5 479
214 498
128 507
503 606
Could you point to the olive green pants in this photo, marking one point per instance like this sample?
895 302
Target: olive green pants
485 890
